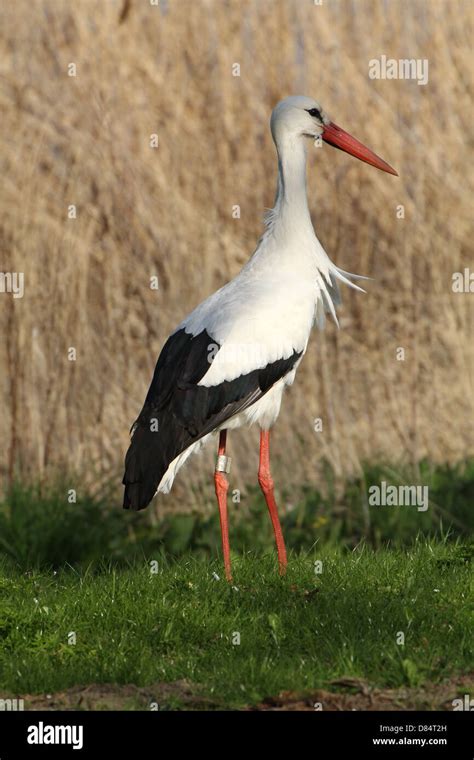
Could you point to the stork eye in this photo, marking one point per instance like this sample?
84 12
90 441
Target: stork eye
315 112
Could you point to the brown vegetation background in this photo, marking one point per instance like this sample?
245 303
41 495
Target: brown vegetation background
168 212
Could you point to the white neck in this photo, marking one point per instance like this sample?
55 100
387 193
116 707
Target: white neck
291 210
289 241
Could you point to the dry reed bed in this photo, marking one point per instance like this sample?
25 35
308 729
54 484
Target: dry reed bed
168 212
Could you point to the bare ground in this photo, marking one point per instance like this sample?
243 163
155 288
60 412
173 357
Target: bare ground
351 694
359 695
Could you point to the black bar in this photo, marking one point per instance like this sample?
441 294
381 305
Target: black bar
445 734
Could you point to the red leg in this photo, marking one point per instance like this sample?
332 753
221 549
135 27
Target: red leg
222 486
266 484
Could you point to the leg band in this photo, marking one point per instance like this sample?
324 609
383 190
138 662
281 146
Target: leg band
223 463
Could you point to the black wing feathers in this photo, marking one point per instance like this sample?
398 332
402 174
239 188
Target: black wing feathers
178 412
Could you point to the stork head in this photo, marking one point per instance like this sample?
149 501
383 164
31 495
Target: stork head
299 117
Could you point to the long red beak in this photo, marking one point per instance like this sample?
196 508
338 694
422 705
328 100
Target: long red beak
336 136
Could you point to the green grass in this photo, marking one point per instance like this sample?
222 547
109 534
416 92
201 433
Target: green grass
298 632
84 567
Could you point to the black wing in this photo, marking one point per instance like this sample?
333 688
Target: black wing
178 412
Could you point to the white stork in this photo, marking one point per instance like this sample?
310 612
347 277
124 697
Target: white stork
228 362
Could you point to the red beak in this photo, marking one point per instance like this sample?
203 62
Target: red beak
336 136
